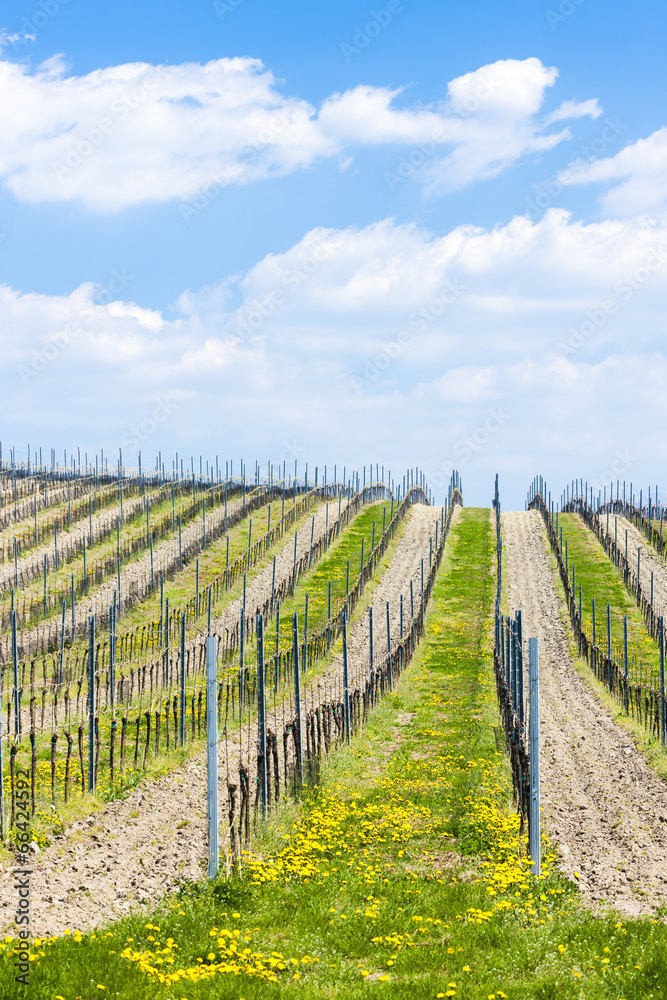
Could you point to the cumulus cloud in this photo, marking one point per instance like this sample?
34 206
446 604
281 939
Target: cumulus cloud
495 110
637 175
518 339
137 132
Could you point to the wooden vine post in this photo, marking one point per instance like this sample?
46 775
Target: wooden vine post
390 664
15 663
663 707
2 772
183 679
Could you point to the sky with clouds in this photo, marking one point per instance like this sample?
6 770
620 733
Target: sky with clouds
426 234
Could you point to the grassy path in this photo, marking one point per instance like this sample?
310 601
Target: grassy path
398 876
332 567
599 579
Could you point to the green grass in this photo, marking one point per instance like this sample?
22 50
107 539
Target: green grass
599 579
645 741
401 874
101 548
47 822
180 588
333 567
47 514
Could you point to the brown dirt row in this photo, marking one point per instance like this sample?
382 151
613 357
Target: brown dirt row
405 566
602 804
33 560
137 850
138 572
258 586
57 496
649 561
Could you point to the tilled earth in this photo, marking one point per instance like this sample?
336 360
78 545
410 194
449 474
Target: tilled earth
258 587
138 849
405 567
136 573
602 804
33 561
649 562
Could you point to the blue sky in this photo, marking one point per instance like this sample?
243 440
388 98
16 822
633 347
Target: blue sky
365 198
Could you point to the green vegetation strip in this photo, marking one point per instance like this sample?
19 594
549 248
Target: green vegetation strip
130 531
102 499
401 875
600 580
333 567
182 585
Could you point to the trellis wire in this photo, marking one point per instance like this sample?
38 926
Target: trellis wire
644 697
315 641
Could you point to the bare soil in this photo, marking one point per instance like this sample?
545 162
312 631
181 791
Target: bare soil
258 587
602 804
32 562
405 567
649 561
135 851
136 573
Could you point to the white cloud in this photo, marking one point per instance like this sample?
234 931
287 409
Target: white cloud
495 109
387 333
575 109
7 39
137 132
641 169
